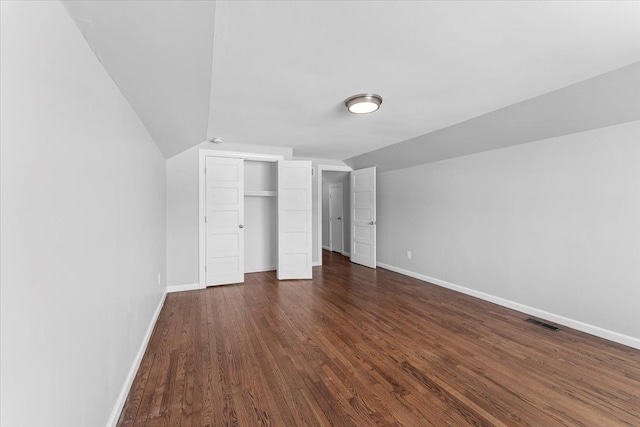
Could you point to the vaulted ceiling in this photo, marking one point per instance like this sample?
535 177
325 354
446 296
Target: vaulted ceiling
277 73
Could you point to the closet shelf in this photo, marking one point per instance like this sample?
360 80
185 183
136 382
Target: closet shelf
261 193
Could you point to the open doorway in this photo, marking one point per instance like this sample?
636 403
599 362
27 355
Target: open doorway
336 212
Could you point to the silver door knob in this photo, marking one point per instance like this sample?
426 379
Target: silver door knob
340 218
241 226
372 223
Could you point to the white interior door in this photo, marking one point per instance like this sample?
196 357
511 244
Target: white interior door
224 216
363 217
294 219
336 215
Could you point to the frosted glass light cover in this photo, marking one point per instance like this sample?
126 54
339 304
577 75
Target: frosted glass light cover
363 107
363 103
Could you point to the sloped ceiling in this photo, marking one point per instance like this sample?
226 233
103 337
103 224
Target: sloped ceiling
159 55
605 100
277 73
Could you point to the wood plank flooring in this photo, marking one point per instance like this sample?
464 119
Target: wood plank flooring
362 347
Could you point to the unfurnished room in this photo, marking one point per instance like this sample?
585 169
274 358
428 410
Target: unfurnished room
319 213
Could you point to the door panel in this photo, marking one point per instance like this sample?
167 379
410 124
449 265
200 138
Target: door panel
363 217
224 201
294 219
336 214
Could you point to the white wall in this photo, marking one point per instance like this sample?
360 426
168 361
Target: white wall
261 237
182 208
330 178
554 224
82 223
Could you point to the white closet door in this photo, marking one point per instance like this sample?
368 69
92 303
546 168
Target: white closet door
363 217
224 220
294 219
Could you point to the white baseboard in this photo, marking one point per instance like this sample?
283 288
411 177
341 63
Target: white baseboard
556 318
124 392
327 248
346 254
182 288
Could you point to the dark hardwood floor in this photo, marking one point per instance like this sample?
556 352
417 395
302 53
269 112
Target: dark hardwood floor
361 347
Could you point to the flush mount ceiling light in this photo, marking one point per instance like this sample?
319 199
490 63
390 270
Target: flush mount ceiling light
363 103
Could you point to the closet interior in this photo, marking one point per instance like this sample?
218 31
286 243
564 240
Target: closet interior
261 215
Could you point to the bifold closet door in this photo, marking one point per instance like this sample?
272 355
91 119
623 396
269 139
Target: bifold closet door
224 220
294 219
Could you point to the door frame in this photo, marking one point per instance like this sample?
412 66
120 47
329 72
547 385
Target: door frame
341 221
322 168
203 153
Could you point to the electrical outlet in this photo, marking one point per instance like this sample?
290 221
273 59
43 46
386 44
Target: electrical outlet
408 254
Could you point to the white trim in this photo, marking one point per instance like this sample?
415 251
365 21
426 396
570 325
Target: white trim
346 254
202 155
326 248
126 387
556 318
316 264
182 288
242 155
322 168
